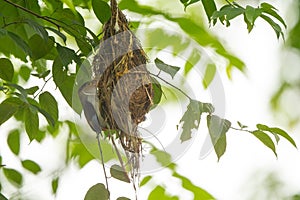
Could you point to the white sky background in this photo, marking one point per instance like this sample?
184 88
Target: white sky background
247 100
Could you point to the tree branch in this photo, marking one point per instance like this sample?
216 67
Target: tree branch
32 13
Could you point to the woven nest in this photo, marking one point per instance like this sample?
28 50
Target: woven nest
124 88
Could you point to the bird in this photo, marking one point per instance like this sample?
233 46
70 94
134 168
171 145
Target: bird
88 97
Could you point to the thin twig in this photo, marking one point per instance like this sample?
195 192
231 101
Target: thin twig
41 90
177 88
240 129
32 13
102 160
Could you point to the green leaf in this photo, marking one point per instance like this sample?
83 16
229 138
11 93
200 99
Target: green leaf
32 90
48 117
84 46
191 61
31 166
198 192
157 91
20 42
39 46
38 28
54 130
101 10
252 14
277 131
118 173
169 69
6 69
184 1
78 150
2 197
64 81
145 180
20 89
49 104
58 33
160 193
192 116
187 3
54 185
24 72
265 139
8 108
241 125
217 128
66 55
31 120
70 4
227 13
209 7
269 9
209 75
162 157
274 25
13 176
208 108
98 192
284 134
263 127
40 135
40 65
71 22
43 75
123 198
13 141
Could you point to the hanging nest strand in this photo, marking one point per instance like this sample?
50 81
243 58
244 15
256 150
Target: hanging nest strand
124 88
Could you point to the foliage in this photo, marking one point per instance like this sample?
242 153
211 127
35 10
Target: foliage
281 103
47 41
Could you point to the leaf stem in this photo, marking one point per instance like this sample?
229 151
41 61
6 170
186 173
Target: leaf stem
177 88
240 129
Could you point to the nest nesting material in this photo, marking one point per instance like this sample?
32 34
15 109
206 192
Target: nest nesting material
124 88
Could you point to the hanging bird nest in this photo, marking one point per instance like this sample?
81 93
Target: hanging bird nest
124 88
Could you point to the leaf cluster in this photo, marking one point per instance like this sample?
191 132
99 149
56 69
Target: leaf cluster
231 10
38 34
